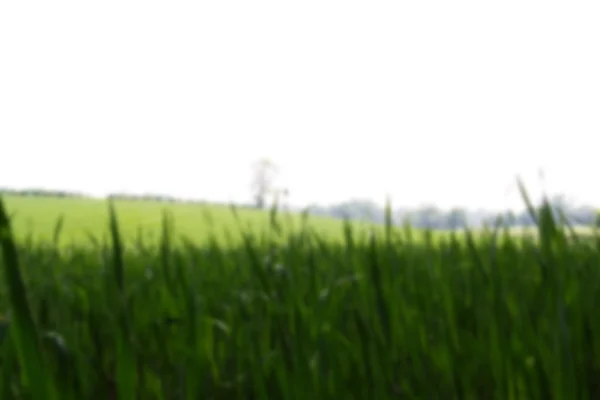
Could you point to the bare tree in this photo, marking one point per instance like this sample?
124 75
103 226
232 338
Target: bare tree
264 172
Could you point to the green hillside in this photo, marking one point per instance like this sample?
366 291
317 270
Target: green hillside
38 217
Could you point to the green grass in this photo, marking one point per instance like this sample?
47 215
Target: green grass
38 216
293 315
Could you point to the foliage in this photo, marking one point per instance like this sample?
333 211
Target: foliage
291 315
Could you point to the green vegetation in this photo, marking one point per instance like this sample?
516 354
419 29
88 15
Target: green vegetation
290 314
83 217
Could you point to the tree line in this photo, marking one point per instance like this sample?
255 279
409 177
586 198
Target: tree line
427 216
430 216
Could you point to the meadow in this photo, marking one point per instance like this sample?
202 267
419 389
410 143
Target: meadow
313 309
81 219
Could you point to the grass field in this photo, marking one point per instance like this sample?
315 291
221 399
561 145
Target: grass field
320 313
38 216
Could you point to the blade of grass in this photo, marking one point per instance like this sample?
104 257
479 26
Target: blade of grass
126 365
58 230
23 329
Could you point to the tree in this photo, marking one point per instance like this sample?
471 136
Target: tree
264 172
428 216
457 218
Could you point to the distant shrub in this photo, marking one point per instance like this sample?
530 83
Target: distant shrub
143 197
36 192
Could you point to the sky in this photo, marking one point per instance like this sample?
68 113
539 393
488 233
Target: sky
427 102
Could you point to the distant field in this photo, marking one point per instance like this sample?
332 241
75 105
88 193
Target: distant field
581 231
38 216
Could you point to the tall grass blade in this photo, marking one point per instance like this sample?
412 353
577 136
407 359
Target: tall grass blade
58 230
126 366
117 245
23 330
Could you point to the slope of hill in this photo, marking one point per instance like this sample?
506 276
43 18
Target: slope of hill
38 217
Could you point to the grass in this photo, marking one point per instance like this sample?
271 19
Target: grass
84 217
293 315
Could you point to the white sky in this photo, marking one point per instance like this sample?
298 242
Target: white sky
438 102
